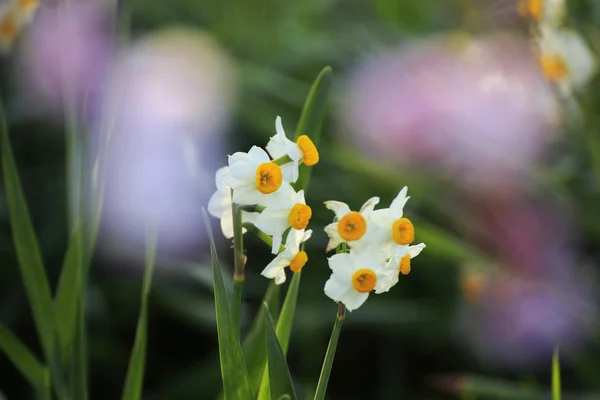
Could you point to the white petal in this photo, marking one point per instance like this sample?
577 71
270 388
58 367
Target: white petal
276 265
294 151
336 290
249 216
306 235
276 243
340 209
294 238
279 127
280 278
369 205
334 237
282 198
276 150
218 204
386 281
258 155
342 266
416 249
248 194
354 300
272 221
290 172
221 172
397 206
227 225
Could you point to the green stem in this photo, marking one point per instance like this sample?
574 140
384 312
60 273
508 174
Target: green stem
555 375
329 356
283 160
239 265
250 227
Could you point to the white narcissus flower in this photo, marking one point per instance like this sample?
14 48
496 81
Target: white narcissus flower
399 263
351 226
393 229
219 205
565 58
291 256
303 150
253 177
354 276
289 210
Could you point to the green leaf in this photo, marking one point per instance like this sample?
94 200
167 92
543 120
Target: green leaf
311 118
135 373
26 245
68 291
23 359
555 375
233 365
255 350
280 377
284 329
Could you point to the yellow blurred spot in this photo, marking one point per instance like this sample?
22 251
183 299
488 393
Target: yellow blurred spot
530 8
554 67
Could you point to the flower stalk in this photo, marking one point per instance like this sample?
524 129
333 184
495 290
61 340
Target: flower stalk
330 354
239 265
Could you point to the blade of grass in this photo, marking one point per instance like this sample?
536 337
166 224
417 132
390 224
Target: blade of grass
311 118
281 380
25 361
233 365
135 373
68 290
555 375
30 259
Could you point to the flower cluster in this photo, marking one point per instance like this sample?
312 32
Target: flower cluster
14 15
379 249
259 182
565 57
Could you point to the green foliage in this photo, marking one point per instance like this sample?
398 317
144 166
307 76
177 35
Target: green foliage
233 366
280 378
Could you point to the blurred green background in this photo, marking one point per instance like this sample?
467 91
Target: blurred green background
402 345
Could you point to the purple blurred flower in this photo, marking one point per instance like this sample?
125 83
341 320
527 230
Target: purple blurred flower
172 92
540 298
68 47
477 109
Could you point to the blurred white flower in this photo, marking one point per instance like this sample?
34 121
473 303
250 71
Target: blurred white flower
565 58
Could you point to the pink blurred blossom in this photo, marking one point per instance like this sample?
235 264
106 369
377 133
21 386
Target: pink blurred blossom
172 92
66 50
539 297
476 109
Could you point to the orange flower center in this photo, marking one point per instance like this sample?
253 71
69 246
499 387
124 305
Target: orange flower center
530 8
554 68
299 216
404 266
309 150
268 177
352 226
403 231
364 280
298 261
8 27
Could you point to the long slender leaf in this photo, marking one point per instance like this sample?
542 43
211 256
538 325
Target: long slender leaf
68 291
233 365
254 346
311 118
26 245
135 373
284 329
280 378
26 362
